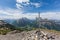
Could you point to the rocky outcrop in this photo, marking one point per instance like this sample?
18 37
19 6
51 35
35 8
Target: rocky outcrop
30 35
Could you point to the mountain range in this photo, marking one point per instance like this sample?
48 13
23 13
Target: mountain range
45 23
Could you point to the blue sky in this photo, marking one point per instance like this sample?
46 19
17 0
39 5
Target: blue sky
15 9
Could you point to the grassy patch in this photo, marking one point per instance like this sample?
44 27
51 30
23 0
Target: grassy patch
4 32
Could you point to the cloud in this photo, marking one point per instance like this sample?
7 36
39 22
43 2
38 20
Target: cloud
20 1
36 4
24 3
17 14
9 14
19 6
51 15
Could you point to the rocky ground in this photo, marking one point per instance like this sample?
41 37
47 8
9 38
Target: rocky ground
30 35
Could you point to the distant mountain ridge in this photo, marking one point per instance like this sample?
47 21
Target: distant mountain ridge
23 22
5 25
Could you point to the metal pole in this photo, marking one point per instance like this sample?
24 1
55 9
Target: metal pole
39 25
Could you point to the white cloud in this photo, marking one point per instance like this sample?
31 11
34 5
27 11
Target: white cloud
36 4
9 14
51 15
26 3
19 6
16 14
20 1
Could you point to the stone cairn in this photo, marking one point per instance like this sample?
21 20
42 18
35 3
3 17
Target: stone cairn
40 35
